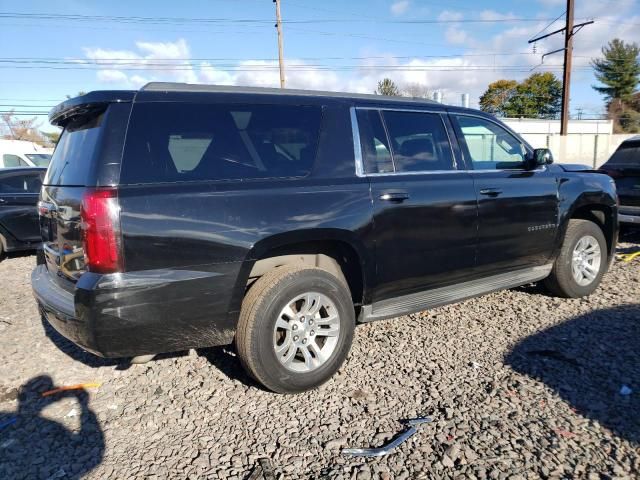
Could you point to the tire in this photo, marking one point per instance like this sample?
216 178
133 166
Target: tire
562 282
258 337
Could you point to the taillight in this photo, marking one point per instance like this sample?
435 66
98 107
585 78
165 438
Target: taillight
100 213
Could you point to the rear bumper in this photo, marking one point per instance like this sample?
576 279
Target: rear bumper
57 305
141 313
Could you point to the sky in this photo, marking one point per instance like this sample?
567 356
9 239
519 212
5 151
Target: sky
52 48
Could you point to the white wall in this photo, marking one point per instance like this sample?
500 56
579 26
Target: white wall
590 142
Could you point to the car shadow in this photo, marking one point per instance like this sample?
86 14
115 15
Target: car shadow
32 446
593 363
225 359
629 235
78 354
19 254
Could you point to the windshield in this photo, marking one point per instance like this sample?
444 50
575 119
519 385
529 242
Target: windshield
627 155
39 159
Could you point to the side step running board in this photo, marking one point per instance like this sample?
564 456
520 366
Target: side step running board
436 297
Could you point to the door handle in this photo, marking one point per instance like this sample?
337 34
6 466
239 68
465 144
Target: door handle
490 192
394 196
2 200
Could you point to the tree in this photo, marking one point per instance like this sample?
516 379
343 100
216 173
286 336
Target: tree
538 96
497 97
618 71
387 87
14 128
79 94
51 137
415 90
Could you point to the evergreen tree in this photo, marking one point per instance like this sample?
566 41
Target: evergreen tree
386 86
618 71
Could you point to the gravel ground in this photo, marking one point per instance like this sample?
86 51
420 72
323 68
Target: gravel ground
519 384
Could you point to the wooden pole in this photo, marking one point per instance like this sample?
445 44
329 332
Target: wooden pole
566 76
280 48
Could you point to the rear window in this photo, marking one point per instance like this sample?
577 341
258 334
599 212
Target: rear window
627 154
21 183
169 142
72 159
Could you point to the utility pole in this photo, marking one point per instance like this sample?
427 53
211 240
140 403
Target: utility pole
566 74
280 51
569 31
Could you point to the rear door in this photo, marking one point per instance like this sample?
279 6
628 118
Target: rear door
518 208
425 213
18 204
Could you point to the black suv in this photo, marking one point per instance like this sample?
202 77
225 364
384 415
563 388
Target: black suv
185 216
624 168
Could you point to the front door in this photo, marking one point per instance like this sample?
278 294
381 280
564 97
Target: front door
425 211
518 208
18 204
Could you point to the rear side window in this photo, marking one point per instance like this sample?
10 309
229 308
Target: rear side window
419 141
21 183
13 161
72 159
169 142
376 152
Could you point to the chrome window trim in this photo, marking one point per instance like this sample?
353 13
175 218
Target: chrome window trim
359 161
357 146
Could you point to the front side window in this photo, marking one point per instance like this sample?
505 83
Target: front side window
169 142
489 146
419 141
13 161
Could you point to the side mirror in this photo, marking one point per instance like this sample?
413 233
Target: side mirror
541 156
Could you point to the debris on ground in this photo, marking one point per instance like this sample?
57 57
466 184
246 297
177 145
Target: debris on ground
263 470
79 386
389 447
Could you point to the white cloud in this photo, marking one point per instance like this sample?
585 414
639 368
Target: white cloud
456 35
453 75
492 15
450 16
400 7
170 59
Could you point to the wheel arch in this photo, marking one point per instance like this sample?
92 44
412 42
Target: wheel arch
603 215
337 251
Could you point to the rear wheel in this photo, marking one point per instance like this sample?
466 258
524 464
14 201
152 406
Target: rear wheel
582 261
295 329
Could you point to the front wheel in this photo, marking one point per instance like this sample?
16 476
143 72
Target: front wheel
582 261
295 328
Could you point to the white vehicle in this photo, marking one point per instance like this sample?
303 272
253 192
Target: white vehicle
19 153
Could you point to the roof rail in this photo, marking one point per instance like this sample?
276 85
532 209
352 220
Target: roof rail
192 87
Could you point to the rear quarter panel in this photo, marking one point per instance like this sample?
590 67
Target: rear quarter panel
203 239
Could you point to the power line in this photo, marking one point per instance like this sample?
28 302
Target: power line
183 20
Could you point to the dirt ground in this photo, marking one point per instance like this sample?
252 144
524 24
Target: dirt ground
518 384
